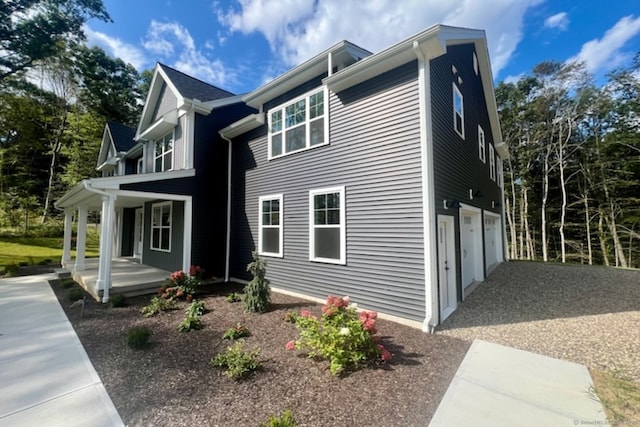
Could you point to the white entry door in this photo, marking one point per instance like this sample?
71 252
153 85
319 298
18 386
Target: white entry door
446 266
490 240
138 233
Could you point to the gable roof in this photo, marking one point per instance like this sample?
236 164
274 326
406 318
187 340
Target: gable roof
122 136
192 88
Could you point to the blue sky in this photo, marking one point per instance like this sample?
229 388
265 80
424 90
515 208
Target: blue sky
239 45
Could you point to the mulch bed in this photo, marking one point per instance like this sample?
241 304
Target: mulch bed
171 383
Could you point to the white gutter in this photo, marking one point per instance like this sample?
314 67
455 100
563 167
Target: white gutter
228 243
428 198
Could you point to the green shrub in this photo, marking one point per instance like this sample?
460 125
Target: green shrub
67 283
256 293
285 420
45 262
234 297
138 337
237 363
10 269
290 317
75 294
192 320
23 263
236 332
119 300
157 305
342 336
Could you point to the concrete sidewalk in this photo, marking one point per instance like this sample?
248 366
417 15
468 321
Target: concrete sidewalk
46 377
501 386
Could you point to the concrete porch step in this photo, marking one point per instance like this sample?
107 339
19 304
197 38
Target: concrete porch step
62 273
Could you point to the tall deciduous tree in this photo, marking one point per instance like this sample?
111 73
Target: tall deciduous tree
32 30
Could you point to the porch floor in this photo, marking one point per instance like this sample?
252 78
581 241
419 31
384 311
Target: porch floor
128 277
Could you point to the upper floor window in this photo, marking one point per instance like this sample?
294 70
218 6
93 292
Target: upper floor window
161 227
481 144
492 163
163 154
499 173
298 125
327 225
270 230
458 111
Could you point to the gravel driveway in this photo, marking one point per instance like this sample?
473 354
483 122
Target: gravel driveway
585 314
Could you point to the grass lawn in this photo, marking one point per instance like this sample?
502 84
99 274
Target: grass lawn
620 397
34 250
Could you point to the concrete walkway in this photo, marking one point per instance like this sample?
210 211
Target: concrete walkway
501 386
46 377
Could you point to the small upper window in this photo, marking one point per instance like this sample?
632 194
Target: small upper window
499 173
492 163
270 227
163 158
475 63
481 144
458 111
298 125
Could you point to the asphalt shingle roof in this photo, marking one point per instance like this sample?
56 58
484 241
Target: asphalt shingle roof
122 136
192 88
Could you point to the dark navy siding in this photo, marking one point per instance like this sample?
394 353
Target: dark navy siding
170 261
127 234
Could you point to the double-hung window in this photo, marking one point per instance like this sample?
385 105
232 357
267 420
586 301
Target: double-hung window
499 173
481 144
327 239
270 234
458 111
298 125
163 154
161 227
492 163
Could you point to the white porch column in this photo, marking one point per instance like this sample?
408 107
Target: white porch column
81 241
106 246
188 228
66 240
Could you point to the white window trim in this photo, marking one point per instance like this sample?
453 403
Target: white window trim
261 226
151 226
482 145
499 172
343 229
164 153
455 113
492 163
308 145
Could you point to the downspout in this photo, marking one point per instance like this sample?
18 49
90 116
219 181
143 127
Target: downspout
228 243
431 277
89 188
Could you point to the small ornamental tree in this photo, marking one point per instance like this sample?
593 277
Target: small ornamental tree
256 293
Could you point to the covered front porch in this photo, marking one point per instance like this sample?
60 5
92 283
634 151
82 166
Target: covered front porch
132 237
128 277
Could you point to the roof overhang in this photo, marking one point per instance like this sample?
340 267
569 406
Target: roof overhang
160 127
243 125
314 67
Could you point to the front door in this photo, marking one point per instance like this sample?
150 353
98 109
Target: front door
446 266
138 234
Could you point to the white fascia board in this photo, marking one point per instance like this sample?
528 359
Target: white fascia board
161 126
243 125
292 78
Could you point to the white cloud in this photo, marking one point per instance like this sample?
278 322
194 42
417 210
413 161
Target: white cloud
173 43
298 30
125 51
559 21
607 52
514 79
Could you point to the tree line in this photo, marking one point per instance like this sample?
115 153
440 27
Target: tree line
572 181
56 93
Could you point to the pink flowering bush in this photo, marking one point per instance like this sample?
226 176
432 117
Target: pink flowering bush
181 285
342 336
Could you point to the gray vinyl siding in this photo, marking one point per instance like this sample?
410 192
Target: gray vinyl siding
374 153
167 101
169 261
